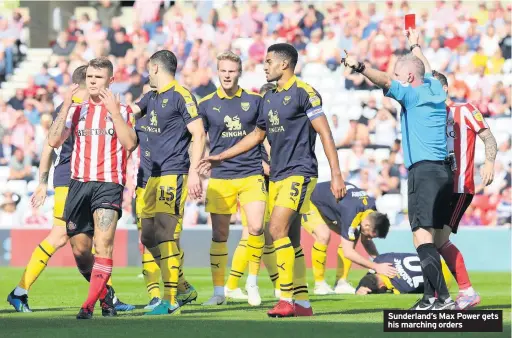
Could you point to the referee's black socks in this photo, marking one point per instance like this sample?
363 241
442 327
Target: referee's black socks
432 272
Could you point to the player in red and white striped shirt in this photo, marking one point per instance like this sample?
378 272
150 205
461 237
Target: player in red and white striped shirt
103 140
464 124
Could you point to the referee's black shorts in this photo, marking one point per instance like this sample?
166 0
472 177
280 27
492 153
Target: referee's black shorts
430 188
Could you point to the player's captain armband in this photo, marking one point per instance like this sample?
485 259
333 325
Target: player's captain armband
315 101
191 108
313 113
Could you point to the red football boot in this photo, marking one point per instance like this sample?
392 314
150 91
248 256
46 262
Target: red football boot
301 311
282 309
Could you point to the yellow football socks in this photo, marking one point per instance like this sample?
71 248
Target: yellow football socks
269 259
238 265
255 246
218 262
151 272
344 265
300 287
169 266
318 260
40 257
285 257
182 282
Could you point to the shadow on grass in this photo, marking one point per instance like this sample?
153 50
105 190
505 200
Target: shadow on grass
185 327
494 307
11 310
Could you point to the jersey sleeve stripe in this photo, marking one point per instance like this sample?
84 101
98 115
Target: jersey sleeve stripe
190 103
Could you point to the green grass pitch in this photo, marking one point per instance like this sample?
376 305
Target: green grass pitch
56 297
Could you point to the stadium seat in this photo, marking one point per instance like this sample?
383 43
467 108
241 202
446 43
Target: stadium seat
17 186
481 201
381 154
391 204
31 186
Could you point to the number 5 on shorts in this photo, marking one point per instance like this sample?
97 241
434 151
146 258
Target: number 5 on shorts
294 188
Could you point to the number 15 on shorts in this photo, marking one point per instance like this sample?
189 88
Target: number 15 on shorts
167 196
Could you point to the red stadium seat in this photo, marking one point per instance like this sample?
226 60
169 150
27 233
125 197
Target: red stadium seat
481 201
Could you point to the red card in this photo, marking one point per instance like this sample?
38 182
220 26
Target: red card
410 21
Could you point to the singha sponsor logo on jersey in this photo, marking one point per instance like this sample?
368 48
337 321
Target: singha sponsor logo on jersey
273 118
234 127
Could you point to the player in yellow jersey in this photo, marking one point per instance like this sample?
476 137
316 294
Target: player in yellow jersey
239 261
290 117
228 115
173 121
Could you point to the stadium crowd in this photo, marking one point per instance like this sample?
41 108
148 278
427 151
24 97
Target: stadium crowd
474 50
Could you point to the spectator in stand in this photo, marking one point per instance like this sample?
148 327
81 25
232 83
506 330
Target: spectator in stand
453 38
461 59
31 112
85 24
473 38
41 133
503 209
59 73
338 130
296 14
313 47
7 46
97 35
22 131
20 166
495 63
388 180
380 52
43 77
9 216
470 217
206 86
438 57
63 45
252 21
506 43
330 53
384 128
73 31
490 41
115 26
274 19
201 30
16 102
299 42
479 59
6 150
504 155
106 10
136 85
120 45
354 161
257 49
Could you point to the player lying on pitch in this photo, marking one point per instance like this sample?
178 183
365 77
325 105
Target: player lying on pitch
354 217
409 278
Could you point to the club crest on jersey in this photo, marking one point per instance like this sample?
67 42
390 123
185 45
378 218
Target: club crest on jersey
478 116
245 106
450 121
164 102
71 226
286 100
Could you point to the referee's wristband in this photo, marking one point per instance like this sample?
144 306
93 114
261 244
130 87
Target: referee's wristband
414 46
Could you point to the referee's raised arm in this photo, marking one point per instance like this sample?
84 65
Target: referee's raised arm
430 178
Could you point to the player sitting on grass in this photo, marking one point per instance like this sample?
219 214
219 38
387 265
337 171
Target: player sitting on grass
354 217
409 278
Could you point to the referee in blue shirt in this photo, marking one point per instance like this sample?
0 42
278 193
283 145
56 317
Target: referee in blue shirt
430 179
